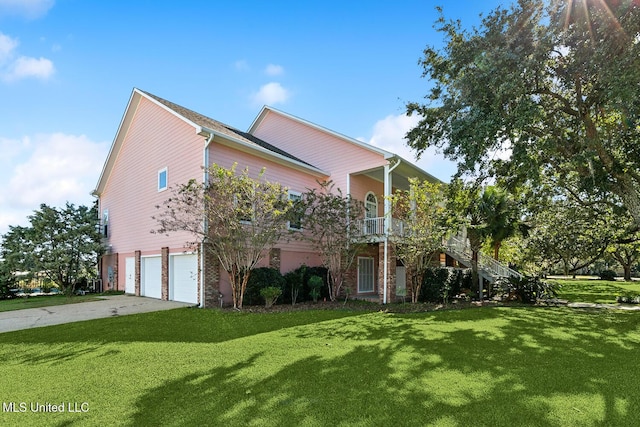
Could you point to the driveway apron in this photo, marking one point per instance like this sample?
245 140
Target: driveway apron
110 306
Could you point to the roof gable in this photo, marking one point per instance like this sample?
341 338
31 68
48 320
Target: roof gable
266 109
202 125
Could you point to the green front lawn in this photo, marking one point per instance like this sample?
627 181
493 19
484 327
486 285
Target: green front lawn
495 366
43 301
595 291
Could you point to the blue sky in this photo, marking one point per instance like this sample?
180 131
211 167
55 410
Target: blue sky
67 68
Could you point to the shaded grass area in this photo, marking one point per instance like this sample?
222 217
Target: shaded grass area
495 366
595 291
43 301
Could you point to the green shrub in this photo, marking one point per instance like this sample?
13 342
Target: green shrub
440 284
628 298
270 295
46 286
607 275
260 278
527 289
315 286
294 285
304 273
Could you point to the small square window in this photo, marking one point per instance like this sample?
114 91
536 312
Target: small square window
162 179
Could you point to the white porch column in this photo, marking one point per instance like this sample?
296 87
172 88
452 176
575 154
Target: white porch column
388 187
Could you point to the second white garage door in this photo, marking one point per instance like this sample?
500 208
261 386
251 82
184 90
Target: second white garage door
183 282
151 277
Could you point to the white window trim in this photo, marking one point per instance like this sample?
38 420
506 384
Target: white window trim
366 196
166 183
299 195
373 277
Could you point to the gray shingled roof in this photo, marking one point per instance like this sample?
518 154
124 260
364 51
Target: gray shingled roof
217 126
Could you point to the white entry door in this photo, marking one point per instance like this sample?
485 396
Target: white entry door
151 277
130 275
183 282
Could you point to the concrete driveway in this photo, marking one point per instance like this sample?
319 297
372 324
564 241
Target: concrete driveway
116 305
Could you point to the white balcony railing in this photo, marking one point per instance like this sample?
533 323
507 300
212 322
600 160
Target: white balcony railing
378 227
462 250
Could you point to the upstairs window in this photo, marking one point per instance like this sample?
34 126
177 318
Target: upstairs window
296 222
104 223
162 179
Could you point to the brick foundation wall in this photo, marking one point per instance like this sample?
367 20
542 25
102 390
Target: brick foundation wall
138 259
165 275
211 280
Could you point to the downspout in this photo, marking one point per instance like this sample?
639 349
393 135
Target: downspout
349 205
205 225
387 215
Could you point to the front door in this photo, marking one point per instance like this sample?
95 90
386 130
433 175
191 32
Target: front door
130 273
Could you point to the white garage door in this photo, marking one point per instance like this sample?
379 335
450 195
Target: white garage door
130 275
151 277
183 282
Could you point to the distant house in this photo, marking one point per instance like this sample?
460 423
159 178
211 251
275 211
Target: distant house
160 144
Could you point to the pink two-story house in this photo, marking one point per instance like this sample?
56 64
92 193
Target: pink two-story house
160 144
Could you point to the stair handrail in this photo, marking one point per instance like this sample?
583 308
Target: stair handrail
495 268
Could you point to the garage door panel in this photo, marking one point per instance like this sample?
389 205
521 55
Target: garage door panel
184 278
151 277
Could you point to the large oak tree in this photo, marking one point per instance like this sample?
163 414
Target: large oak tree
556 83
62 244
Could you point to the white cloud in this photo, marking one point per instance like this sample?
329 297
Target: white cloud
389 134
25 67
30 9
274 70
271 93
7 46
12 69
51 169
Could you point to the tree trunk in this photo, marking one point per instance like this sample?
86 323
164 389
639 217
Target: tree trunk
496 251
475 277
627 272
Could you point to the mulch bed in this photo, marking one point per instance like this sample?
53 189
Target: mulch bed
355 305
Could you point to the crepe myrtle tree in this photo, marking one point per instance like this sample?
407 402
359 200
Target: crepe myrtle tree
329 221
421 209
237 217
556 84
